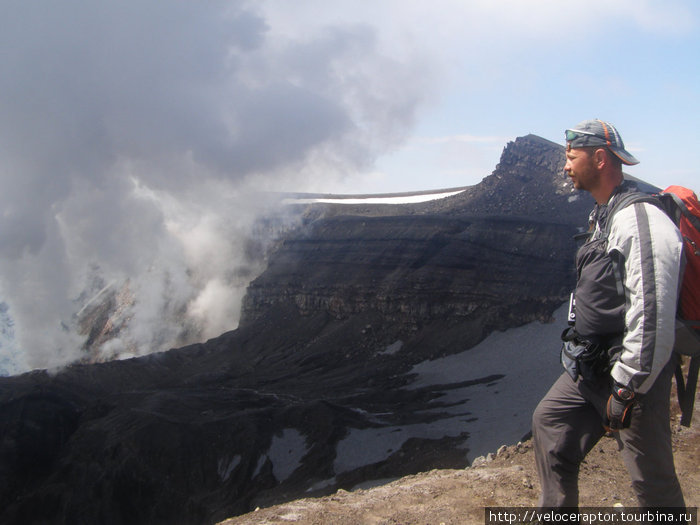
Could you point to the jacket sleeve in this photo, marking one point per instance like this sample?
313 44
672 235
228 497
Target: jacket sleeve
650 248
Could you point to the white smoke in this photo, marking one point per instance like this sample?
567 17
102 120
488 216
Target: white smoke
137 138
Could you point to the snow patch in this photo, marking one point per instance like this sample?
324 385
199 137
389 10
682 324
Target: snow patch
487 392
225 467
368 446
527 357
322 484
286 452
401 199
392 348
259 466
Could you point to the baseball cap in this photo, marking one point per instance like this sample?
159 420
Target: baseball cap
598 133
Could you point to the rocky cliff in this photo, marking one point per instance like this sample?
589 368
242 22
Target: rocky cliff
370 348
498 253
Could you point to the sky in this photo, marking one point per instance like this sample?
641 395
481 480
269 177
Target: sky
502 69
140 139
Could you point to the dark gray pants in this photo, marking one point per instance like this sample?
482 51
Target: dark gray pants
568 422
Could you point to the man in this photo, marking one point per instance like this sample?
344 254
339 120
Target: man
625 305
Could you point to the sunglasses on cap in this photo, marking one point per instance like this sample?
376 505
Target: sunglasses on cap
573 134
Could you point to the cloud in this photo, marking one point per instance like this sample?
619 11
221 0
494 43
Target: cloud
136 140
664 18
462 139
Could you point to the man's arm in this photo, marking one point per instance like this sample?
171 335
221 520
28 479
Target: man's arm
650 247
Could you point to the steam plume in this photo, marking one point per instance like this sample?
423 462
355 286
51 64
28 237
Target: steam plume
137 138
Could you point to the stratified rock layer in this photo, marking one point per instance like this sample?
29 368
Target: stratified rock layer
316 389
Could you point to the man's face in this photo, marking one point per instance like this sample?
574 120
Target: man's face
581 167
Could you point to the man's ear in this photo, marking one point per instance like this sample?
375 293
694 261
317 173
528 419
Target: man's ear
600 157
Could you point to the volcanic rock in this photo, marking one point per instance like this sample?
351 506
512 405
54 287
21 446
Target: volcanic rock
382 340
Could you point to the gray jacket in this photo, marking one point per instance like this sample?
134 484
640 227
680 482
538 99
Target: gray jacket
628 276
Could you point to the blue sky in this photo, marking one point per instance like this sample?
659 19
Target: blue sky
503 69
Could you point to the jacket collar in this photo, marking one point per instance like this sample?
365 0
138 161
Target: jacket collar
599 215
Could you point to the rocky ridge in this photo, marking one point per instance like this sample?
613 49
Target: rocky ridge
370 348
458 257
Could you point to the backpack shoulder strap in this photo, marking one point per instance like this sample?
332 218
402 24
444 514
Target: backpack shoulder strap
686 389
622 200
625 199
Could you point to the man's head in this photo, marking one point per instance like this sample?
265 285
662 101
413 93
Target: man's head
596 133
594 157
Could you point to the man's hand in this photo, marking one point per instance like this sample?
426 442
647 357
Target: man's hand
619 408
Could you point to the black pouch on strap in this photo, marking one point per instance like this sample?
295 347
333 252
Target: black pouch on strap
581 357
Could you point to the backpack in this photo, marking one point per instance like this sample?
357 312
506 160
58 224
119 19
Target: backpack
682 206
